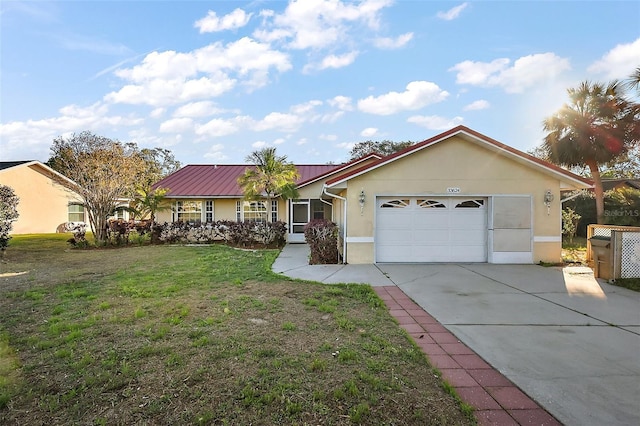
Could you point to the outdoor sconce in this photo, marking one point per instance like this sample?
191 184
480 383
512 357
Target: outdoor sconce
548 198
361 198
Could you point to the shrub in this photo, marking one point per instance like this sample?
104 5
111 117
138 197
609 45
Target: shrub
570 221
79 238
237 234
621 207
8 214
322 237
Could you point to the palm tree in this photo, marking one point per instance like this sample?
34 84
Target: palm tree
272 176
633 82
592 129
147 202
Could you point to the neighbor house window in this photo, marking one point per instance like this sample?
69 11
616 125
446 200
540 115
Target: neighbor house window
188 211
208 211
76 213
256 210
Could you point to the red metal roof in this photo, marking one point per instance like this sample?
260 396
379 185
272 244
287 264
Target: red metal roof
222 180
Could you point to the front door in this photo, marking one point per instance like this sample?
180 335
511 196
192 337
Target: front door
299 218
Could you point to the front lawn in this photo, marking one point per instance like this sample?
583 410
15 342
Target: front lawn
199 335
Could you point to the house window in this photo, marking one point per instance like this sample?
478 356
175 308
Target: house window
256 211
317 209
76 213
188 211
208 211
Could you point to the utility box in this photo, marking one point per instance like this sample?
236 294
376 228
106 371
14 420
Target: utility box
601 255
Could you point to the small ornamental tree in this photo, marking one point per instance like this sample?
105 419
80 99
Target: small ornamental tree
8 214
570 220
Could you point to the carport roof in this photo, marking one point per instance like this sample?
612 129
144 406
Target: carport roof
468 134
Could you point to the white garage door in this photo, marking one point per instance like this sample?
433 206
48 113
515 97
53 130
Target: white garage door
431 229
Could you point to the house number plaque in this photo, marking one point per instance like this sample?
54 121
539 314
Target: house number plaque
453 190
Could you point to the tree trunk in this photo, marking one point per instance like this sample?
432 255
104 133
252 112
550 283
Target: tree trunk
598 191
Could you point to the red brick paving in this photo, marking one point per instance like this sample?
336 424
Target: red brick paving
495 399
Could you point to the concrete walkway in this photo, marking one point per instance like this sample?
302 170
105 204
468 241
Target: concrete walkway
567 341
294 263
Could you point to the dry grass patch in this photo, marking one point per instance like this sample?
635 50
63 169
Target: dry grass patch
200 335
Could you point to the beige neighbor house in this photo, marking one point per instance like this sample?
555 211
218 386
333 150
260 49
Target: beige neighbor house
457 197
45 205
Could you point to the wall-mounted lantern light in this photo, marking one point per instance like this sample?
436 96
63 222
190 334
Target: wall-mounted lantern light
548 198
361 199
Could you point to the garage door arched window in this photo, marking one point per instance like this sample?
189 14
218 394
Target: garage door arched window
431 204
470 204
395 204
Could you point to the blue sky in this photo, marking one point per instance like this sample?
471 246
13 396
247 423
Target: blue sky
214 80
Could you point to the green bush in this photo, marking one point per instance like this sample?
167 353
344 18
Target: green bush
621 207
8 214
322 237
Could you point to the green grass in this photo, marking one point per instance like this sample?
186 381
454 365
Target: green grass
630 283
199 335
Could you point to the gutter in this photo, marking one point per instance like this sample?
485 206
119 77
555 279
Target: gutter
344 239
579 193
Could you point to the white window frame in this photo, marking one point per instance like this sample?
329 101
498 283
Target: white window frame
82 211
256 210
208 211
194 208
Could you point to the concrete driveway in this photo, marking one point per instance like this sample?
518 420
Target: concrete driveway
570 342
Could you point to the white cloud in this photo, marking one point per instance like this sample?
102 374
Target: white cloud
215 153
332 61
368 132
331 117
306 107
452 13
417 95
477 105
301 141
168 78
319 23
328 137
169 92
525 72
434 122
477 73
157 112
619 62
279 141
36 135
279 121
341 102
259 145
212 23
346 145
176 125
197 109
217 127
392 43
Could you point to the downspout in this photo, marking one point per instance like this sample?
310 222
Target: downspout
344 240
